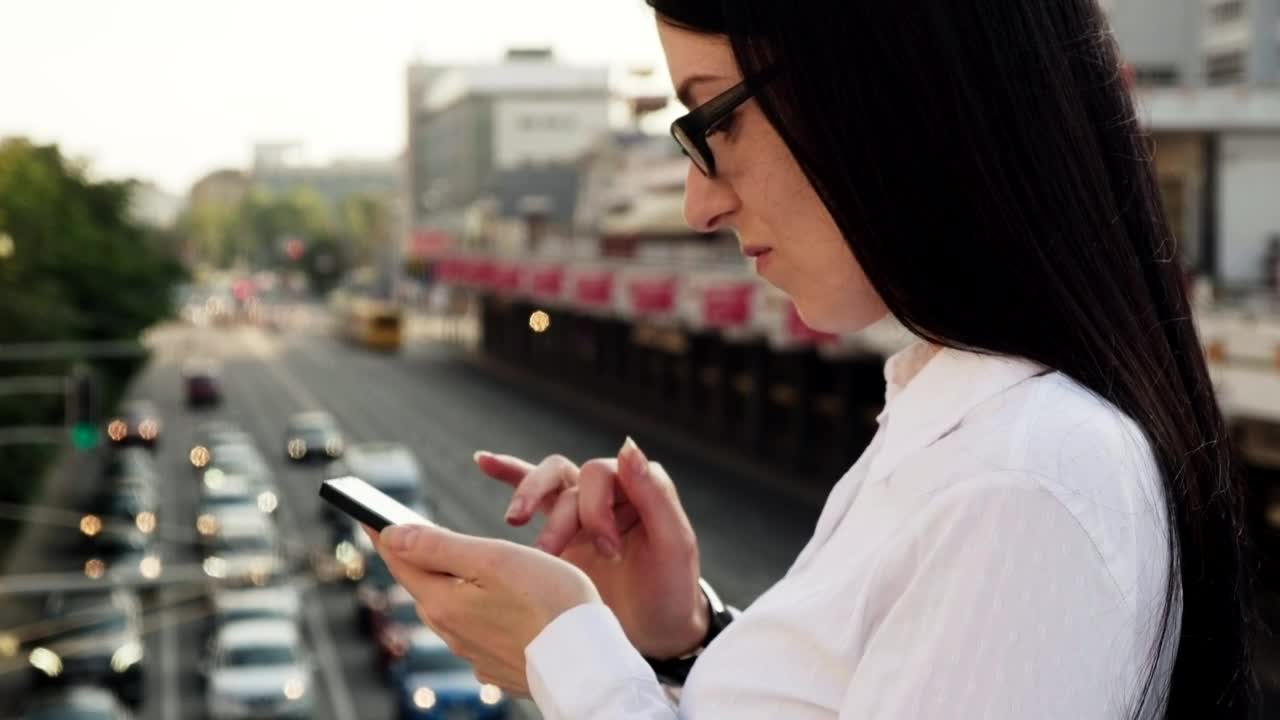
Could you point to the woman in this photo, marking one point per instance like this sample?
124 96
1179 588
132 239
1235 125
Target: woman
1047 523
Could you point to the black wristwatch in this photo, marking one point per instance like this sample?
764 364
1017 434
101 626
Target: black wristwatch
673 671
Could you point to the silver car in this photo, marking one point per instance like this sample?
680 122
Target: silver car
258 669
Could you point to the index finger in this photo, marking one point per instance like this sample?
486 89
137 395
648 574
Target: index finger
503 468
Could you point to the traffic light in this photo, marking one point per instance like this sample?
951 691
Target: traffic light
82 408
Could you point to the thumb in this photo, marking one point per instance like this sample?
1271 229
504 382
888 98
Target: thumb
432 548
652 495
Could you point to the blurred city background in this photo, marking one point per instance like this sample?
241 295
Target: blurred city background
246 246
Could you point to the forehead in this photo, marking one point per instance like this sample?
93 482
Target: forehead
689 53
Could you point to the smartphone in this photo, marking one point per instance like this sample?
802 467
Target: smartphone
368 504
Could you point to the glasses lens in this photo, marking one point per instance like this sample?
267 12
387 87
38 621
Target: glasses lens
689 148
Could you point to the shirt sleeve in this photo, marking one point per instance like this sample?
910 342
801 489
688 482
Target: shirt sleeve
582 667
997 604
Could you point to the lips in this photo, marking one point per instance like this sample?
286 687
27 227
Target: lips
755 251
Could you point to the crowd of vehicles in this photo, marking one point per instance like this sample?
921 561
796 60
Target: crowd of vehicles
90 659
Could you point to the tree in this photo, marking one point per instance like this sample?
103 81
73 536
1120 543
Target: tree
80 269
265 222
367 224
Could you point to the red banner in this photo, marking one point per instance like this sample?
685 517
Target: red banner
593 288
652 296
726 306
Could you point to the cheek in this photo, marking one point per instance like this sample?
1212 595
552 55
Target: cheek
819 271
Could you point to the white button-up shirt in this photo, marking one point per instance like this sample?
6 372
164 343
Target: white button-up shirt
998 551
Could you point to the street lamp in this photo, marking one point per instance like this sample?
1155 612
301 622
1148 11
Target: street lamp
6 246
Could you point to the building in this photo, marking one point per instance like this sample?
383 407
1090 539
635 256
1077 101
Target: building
278 169
224 188
1160 39
1192 43
1241 42
470 124
1218 165
1208 79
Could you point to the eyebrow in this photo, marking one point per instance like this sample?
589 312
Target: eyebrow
683 92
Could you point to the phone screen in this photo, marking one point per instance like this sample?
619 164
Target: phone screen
368 504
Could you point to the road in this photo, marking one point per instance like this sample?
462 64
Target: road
444 409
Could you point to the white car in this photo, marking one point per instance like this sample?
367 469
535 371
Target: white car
242 548
219 490
232 605
241 457
258 669
281 602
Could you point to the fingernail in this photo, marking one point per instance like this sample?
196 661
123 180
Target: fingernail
400 537
518 507
607 548
475 457
634 458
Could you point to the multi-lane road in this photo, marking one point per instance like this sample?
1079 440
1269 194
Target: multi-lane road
444 409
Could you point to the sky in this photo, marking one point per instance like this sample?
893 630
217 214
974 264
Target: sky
168 90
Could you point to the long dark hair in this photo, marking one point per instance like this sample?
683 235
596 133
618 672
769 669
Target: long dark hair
985 162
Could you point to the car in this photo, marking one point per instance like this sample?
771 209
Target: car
96 638
258 669
112 541
202 380
431 682
353 551
312 436
138 423
120 506
220 490
140 569
390 467
229 605
124 554
372 587
132 467
281 602
209 434
350 553
241 458
243 550
79 702
393 622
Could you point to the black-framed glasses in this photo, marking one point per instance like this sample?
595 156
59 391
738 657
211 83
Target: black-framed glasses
691 130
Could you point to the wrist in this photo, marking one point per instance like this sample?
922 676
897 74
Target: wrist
693 640
713 616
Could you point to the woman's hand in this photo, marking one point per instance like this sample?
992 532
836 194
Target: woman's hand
619 521
488 599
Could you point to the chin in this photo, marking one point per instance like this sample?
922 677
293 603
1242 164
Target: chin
840 319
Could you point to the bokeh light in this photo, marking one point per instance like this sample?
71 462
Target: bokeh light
146 522
90 525
199 456
117 430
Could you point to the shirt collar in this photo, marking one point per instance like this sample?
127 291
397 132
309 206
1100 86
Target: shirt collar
929 389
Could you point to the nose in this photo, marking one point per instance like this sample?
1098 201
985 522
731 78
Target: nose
707 201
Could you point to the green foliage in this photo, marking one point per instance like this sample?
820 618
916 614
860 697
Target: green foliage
255 231
367 224
81 269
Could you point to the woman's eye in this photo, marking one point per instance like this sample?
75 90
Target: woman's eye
724 126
